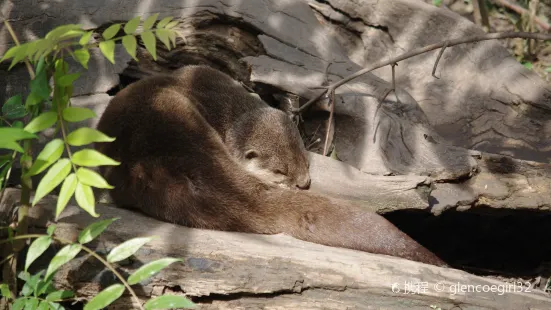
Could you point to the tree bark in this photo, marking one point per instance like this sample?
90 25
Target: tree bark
222 270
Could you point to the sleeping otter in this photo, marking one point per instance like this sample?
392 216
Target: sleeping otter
198 150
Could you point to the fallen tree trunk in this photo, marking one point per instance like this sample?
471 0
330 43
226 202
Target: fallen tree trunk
222 270
391 156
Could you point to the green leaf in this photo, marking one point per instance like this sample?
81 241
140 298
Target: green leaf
64 255
44 47
31 283
63 30
74 114
56 306
92 158
53 178
44 287
528 65
10 145
92 178
85 135
59 295
41 66
164 22
10 53
83 56
172 24
150 21
33 99
172 37
71 34
40 86
15 134
44 305
50 154
32 48
61 67
21 54
149 40
3 174
163 35
111 31
18 124
85 38
51 230
41 122
169 302
148 270
18 304
129 43
14 108
37 248
68 79
4 159
5 291
67 190
126 249
31 303
132 25
105 297
93 230
108 50
85 199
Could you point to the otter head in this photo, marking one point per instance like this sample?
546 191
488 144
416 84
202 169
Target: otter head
268 144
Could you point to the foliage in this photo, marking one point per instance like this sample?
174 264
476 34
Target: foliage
48 105
39 292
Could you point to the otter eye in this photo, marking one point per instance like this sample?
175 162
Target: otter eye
277 171
250 154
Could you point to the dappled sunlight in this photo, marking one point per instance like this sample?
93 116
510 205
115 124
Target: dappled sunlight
410 150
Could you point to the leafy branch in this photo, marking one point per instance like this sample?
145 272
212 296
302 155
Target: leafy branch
39 285
50 106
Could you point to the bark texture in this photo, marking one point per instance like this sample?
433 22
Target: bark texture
476 137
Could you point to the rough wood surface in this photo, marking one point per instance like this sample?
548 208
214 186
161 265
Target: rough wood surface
292 50
245 271
482 99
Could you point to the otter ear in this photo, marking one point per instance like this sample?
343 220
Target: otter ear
250 154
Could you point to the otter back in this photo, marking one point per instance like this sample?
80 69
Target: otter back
179 164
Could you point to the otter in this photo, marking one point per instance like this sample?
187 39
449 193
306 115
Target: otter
197 149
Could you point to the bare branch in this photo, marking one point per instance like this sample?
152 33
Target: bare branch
421 50
438 59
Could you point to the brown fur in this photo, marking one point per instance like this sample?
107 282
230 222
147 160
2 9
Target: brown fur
172 136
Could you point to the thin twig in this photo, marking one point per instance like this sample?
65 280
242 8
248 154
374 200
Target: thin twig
6 259
421 50
438 59
16 40
332 109
8 174
480 14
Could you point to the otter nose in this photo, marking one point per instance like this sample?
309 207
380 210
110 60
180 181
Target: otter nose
303 182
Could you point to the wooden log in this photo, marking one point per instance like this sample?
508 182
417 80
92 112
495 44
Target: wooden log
224 270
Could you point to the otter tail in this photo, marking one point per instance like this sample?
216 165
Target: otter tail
316 219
